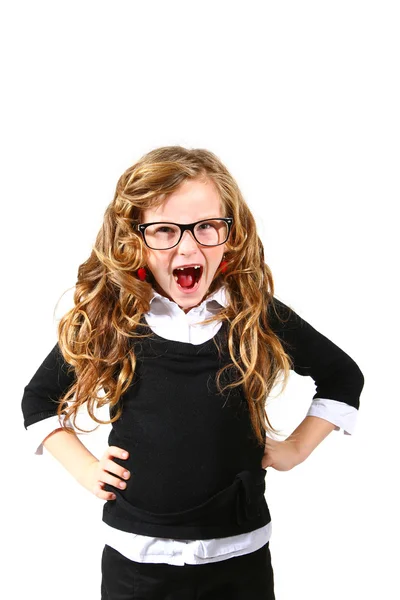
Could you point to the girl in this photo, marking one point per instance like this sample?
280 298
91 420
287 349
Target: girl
176 328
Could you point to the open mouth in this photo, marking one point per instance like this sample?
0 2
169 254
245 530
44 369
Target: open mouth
188 277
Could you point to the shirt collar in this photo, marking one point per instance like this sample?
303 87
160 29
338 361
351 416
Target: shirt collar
220 296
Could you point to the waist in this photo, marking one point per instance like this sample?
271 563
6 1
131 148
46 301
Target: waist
238 508
146 549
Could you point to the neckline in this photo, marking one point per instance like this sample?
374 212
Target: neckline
182 347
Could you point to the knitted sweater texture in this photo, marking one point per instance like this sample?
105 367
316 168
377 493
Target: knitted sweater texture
194 460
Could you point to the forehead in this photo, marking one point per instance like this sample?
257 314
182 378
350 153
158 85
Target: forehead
192 201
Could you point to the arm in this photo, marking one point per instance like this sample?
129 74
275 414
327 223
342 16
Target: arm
39 403
90 472
335 373
49 383
341 414
284 455
70 452
309 434
337 377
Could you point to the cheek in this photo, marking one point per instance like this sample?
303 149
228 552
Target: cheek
157 264
151 260
214 261
218 256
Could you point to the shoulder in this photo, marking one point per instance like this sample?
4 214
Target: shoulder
281 316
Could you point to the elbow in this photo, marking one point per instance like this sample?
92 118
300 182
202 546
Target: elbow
358 377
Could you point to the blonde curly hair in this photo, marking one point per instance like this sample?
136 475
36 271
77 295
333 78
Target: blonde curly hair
95 336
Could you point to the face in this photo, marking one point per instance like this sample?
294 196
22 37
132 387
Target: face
192 201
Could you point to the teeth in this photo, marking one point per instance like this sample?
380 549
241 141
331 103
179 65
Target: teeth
183 268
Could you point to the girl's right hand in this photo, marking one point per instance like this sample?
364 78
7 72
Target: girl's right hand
104 471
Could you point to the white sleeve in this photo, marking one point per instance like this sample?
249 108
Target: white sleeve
39 431
340 414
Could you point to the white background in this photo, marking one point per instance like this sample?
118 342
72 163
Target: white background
300 100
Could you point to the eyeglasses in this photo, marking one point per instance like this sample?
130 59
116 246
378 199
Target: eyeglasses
164 235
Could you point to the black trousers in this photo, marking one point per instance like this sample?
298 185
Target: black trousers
247 577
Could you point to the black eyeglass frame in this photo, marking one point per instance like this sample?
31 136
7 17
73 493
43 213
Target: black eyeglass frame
190 227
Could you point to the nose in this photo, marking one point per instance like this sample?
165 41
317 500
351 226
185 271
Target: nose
187 243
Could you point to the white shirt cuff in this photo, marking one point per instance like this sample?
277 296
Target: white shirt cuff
39 431
340 414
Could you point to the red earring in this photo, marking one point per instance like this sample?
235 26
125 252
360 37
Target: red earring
223 267
142 273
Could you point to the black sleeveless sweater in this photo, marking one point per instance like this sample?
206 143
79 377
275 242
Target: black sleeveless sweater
195 463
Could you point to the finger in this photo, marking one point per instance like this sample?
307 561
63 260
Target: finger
105 477
117 452
116 469
102 494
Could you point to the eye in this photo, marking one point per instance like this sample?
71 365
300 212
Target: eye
205 225
164 229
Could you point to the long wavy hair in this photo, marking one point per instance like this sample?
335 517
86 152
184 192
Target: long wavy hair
95 336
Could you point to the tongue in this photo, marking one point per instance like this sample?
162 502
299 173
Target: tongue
186 278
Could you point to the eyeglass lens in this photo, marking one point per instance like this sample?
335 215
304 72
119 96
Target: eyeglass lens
165 235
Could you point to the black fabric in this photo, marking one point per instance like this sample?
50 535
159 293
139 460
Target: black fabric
187 444
239 508
246 577
194 460
49 383
335 373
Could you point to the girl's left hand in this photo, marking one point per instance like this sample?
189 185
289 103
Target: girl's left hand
282 456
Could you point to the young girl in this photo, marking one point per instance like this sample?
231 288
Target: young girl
176 328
